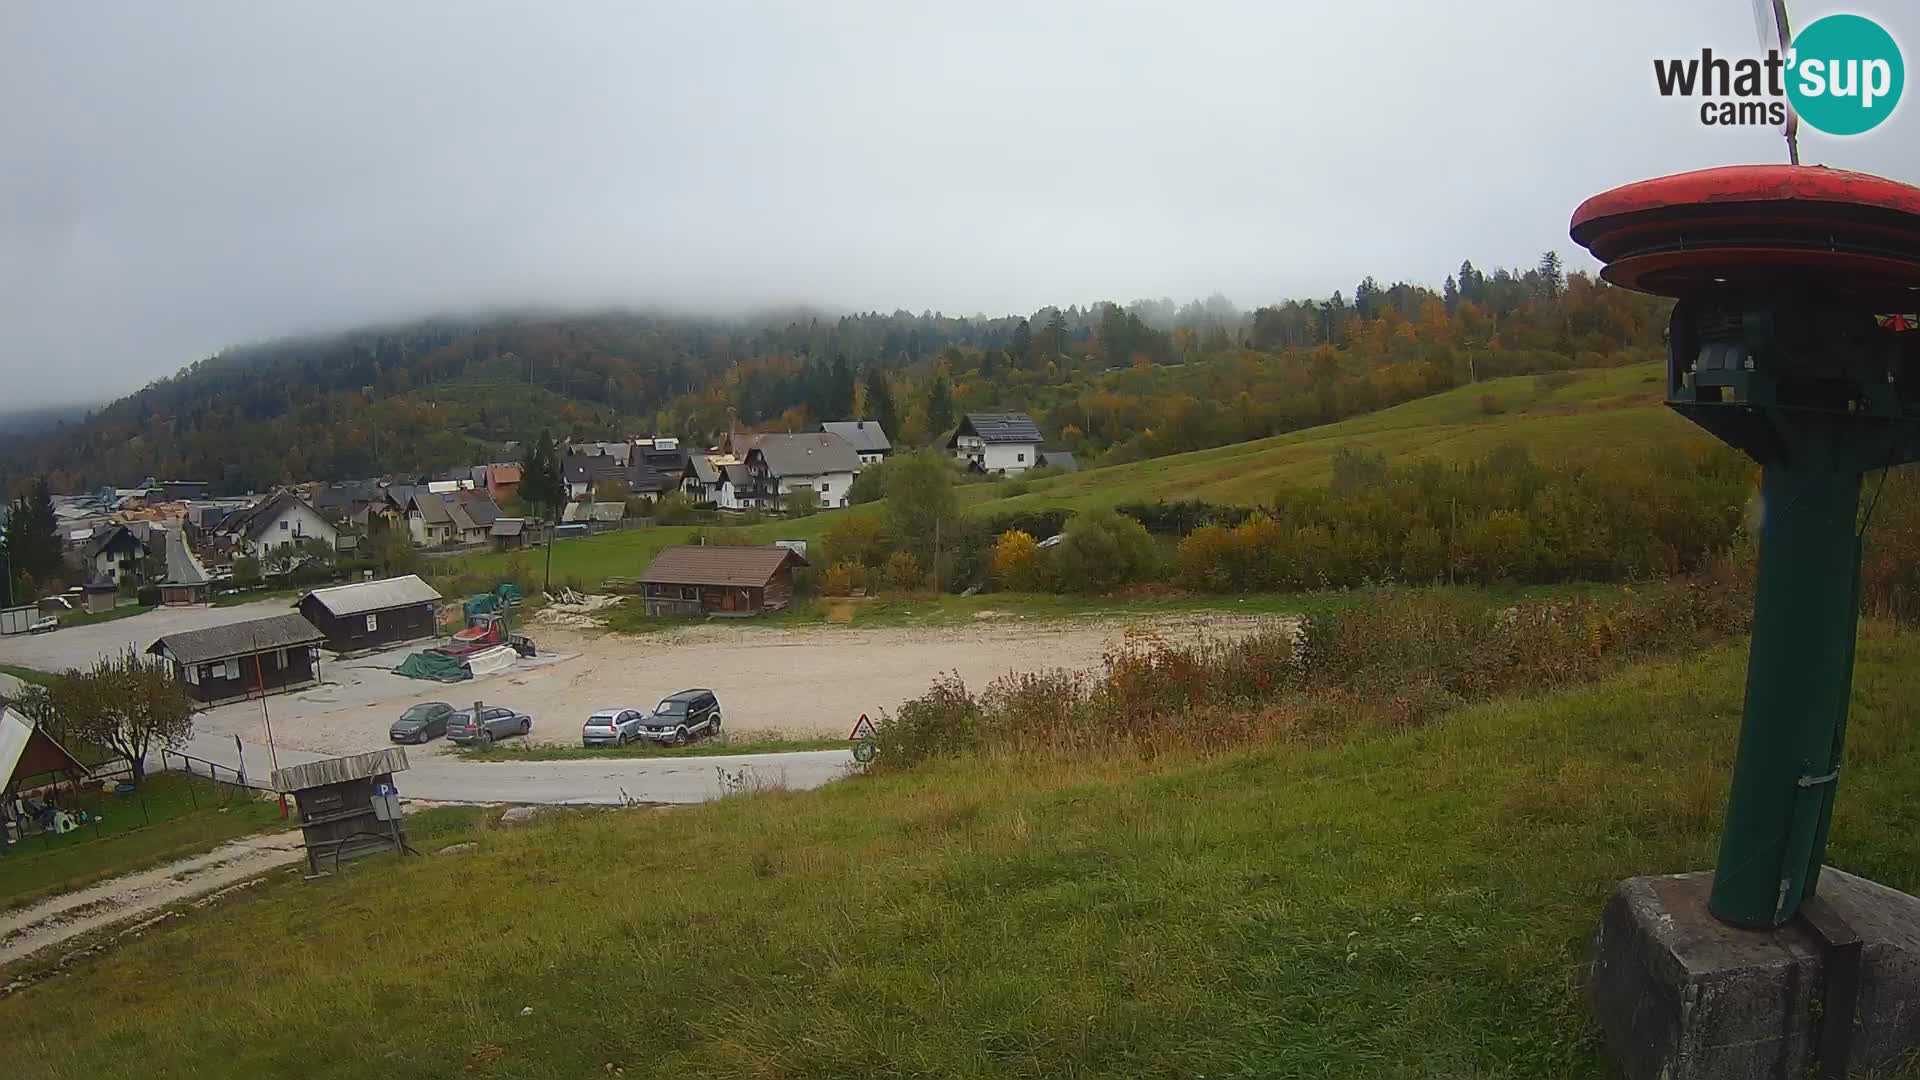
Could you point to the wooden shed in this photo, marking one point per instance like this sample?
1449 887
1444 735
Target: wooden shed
372 614
244 659
349 806
719 580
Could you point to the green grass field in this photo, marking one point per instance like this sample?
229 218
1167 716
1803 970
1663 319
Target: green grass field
1410 904
1599 410
181 816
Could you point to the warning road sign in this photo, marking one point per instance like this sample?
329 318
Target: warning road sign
862 729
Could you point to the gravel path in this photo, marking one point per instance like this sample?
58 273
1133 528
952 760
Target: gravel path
124 899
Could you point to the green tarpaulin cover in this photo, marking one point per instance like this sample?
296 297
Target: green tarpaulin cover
435 666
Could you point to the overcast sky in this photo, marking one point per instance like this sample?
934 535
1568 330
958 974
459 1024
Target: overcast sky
179 176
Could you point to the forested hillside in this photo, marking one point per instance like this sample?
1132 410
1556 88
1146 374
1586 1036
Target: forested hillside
1112 382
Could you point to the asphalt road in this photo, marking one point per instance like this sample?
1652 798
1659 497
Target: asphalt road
610 781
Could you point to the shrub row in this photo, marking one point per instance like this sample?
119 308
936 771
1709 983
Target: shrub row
1398 656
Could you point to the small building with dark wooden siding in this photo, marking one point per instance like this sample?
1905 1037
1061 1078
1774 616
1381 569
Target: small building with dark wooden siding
245 659
372 614
719 580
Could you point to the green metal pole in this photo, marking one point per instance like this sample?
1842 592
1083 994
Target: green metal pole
1799 679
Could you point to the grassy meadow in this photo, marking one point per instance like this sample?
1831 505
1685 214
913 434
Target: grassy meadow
1570 414
1382 903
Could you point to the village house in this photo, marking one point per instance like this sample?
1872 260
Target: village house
371 614
503 481
781 465
113 554
1006 443
868 439
279 520
246 659
734 491
719 579
582 473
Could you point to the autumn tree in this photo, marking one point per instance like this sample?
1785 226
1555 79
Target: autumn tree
128 703
922 505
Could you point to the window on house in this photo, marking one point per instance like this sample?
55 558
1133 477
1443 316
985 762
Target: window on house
283 526
688 592
824 489
373 622
1019 457
193 674
230 669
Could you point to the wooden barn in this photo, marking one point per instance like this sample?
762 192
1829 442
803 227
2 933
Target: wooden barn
719 580
244 659
372 614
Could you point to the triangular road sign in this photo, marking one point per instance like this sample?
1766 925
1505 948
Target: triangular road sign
862 729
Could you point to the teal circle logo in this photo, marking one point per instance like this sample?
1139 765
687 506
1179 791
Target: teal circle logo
1845 74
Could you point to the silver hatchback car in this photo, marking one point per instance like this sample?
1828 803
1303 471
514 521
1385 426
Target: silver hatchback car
612 727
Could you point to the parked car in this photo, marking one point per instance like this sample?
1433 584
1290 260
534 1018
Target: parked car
612 727
493 722
679 717
421 723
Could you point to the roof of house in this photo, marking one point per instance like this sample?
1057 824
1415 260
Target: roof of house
110 536
238 639
609 511
364 596
21 741
591 468
457 513
718 564
508 526
806 455
433 508
505 474
704 470
481 508
182 567
1059 459
736 474
1016 427
865 436
254 521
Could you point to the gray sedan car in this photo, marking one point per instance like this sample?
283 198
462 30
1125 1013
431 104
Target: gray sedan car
493 722
612 727
421 723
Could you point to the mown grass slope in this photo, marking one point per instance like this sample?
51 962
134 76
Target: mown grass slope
1554 418
1382 904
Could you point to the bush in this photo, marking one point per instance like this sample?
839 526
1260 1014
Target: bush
1017 562
1491 405
1102 550
903 573
801 503
1181 518
673 508
843 579
1397 659
858 538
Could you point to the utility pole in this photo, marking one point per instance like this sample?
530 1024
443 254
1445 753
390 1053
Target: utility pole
273 750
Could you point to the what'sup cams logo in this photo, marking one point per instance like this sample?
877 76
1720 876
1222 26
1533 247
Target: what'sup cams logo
1843 75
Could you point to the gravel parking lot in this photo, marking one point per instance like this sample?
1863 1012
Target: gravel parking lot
794 681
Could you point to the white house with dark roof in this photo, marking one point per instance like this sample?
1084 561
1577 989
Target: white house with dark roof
821 462
868 439
277 521
996 442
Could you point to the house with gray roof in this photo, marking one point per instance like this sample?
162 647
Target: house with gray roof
820 462
244 659
186 581
1006 443
868 439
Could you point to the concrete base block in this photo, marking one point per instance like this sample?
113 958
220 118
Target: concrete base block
1683 996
